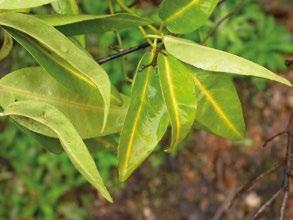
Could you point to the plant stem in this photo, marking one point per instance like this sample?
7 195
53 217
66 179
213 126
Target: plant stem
222 20
130 11
123 53
120 44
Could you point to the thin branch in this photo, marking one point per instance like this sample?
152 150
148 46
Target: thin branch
266 204
221 21
122 53
254 181
285 186
283 206
225 206
273 137
286 181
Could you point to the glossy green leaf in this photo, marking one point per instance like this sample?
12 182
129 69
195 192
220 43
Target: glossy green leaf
219 109
83 110
184 16
6 46
40 113
179 95
215 60
66 62
86 24
21 4
69 7
146 120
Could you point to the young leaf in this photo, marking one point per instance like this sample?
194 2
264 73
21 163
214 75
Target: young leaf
83 110
184 16
40 113
219 108
6 46
22 4
87 24
215 60
146 120
179 95
66 62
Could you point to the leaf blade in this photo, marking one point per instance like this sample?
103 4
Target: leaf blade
181 103
20 4
83 110
219 108
82 66
6 46
145 123
215 60
86 24
73 145
184 16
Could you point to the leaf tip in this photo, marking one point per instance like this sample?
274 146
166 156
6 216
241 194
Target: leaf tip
105 193
123 175
109 198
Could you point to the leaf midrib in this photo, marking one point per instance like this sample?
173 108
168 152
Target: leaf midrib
137 117
25 93
216 106
173 99
181 11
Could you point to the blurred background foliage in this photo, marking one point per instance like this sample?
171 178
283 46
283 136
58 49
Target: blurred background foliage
35 184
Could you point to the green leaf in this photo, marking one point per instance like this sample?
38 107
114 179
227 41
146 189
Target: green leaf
6 46
87 24
66 62
179 95
215 60
146 120
66 7
184 16
83 110
43 114
69 7
219 109
21 4
53 145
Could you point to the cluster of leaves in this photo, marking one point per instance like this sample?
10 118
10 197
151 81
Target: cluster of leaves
68 101
252 34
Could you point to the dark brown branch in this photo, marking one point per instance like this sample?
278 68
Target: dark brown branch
284 205
286 177
266 204
286 181
221 21
122 53
254 181
273 137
